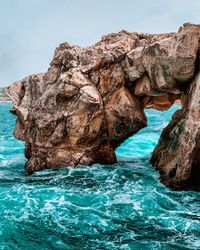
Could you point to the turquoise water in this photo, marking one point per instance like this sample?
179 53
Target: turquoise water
123 206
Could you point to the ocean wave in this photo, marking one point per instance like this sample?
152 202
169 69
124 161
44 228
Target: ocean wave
123 206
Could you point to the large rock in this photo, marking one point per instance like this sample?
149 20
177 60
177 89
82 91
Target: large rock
177 155
92 99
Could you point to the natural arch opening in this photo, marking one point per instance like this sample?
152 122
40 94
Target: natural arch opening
144 141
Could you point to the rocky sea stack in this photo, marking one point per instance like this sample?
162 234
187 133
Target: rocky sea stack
92 99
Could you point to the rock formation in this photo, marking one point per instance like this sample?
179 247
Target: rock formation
92 99
3 95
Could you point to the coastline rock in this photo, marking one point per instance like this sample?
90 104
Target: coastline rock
177 154
91 99
3 95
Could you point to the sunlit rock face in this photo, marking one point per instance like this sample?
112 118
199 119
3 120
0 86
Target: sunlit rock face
91 99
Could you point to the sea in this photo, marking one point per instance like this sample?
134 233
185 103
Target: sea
120 206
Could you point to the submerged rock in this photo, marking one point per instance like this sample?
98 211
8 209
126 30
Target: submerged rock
92 99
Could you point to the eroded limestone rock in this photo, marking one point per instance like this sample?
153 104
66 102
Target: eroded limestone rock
92 99
177 155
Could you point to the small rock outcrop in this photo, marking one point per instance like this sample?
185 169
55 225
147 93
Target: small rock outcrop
3 95
91 99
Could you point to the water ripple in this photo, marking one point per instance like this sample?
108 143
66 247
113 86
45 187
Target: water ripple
123 206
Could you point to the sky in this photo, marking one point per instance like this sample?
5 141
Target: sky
30 30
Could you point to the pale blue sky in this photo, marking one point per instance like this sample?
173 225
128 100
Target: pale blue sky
31 29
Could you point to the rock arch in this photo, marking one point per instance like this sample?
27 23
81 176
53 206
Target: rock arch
91 99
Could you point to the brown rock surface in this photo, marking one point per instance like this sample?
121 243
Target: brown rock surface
177 154
91 99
